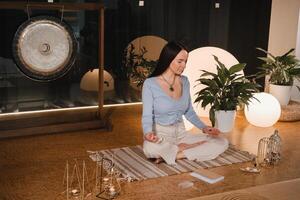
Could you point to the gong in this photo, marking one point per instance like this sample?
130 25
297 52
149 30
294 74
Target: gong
44 48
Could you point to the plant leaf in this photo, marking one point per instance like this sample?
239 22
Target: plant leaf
295 71
266 52
287 53
237 68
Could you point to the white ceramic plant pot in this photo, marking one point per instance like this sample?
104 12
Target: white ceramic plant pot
281 92
225 120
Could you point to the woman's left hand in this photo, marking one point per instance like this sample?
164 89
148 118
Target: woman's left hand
211 131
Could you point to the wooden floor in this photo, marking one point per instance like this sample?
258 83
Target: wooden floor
284 190
32 167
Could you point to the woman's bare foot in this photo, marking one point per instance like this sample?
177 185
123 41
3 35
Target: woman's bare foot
158 160
185 146
180 155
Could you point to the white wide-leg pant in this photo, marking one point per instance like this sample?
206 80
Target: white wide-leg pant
173 135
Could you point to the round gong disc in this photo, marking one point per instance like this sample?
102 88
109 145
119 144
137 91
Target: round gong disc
44 48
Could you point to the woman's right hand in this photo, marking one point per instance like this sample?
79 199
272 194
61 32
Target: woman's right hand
151 137
211 131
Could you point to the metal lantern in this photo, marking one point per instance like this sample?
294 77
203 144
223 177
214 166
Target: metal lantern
269 150
108 187
274 148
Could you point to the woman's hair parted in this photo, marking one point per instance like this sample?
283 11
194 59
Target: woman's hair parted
167 55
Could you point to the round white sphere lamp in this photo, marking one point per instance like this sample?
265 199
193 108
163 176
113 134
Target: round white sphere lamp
263 112
90 81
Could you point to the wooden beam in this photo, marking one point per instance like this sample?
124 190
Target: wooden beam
50 6
101 61
57 128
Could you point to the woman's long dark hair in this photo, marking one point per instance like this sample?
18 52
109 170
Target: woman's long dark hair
167 55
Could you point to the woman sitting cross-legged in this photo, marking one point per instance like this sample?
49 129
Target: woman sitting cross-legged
166 98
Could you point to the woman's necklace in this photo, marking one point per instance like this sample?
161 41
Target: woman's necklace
171 88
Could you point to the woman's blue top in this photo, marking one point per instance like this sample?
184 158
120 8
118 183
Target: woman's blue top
159 107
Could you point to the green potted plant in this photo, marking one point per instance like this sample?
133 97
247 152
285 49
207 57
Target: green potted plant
138 67
280 72
224 91
134 69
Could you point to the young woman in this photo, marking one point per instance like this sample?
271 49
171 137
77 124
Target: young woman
166 98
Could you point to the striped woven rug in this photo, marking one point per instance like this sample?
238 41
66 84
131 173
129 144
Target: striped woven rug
131 162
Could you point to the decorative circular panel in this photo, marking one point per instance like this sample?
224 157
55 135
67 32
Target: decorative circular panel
147 49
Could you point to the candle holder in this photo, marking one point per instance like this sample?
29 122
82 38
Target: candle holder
262 152
269 150
109 185
76 183
274 148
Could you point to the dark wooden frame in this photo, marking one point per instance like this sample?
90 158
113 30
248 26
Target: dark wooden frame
23 5
59 120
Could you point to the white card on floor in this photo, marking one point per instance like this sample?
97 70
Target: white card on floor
207 176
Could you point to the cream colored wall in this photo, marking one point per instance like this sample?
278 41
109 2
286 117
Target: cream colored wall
298 38
283 25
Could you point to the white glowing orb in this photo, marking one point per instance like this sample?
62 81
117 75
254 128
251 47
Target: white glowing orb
90 81
263 112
